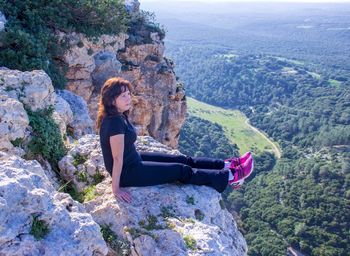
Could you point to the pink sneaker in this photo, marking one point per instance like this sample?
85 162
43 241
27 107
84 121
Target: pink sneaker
241 172
237 185
237 161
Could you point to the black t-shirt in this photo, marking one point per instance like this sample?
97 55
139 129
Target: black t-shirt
113 125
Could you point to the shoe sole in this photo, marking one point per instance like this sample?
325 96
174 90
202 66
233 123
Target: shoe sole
237 185
238 181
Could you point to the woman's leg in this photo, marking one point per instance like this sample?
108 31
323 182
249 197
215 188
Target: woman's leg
195 162
148 173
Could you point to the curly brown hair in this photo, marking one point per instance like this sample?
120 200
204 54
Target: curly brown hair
111 89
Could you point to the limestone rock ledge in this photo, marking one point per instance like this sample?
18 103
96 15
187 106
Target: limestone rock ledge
25 192
169 219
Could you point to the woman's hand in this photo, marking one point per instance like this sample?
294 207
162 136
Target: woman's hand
121 194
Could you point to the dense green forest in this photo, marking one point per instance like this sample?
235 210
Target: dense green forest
303 200
203 138
287 100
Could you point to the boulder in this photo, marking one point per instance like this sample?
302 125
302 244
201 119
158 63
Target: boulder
38 220
81 123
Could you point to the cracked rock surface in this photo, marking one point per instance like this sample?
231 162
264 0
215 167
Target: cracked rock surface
26 193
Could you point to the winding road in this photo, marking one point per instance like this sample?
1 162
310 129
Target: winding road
277 151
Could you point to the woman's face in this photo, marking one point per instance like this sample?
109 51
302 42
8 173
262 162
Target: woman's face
123 101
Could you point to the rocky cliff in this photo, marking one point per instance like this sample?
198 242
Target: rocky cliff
159 104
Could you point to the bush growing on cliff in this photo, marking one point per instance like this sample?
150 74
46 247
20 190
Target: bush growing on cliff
141 25
39 228
47 140
119 245
29 40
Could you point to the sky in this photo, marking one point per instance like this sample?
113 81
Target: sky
278 1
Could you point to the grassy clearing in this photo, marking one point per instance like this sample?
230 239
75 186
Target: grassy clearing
296 62
314 75
334 83
190 242
234 124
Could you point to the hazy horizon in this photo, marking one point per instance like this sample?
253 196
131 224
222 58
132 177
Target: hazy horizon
252 1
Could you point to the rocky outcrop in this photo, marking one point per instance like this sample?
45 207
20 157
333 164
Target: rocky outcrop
81 58
19 91
13 124
63 114
81 123
159 104
24 91
38 220
34 89
170 219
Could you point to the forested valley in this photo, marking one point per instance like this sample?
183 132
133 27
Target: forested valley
303 199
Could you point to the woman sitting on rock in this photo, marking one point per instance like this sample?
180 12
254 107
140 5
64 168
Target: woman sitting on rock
130 168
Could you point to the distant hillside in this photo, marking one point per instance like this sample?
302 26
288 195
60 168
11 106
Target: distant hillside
284 98
287 68
235 127
316 33
302 201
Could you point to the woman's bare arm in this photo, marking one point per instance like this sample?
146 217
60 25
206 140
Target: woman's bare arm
117 147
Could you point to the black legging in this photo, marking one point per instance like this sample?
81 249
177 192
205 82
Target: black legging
160 168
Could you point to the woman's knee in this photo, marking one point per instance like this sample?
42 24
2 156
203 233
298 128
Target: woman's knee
186 173
188 160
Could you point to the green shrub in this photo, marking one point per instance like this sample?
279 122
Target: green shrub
136 232
141 22
8 89
170 225
78 159
190 200
190 242
46 140
199 214
167 211
90 51
88 193
80 44
39 228
152 223
29 41
98 177
120 246
17 142
70 189
82 176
